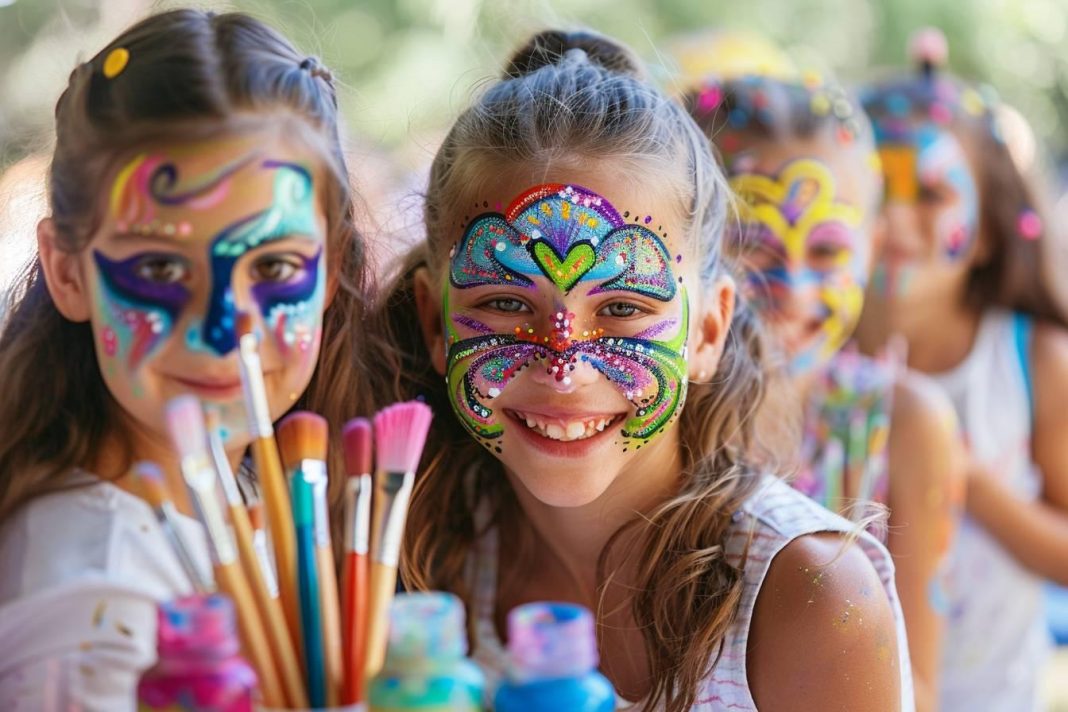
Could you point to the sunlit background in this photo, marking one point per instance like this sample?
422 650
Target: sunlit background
406 67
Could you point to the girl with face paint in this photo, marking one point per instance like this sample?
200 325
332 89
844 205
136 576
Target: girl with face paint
800 158
962 281
197 174
579 322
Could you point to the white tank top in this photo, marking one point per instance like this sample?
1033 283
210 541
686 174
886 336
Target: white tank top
770 519
996 636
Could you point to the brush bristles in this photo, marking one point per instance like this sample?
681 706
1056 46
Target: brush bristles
153 485
244 324
185 423
302 436
356 438
400 434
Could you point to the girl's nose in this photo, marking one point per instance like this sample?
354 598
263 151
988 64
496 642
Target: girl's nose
903 227
564 374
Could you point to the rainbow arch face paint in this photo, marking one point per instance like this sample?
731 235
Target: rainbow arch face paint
805 255
565 245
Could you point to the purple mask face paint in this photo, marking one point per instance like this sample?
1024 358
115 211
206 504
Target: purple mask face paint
572 242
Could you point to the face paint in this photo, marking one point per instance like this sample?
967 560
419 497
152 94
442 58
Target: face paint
926 162
817 245
290 213
576 240
140 313
292 310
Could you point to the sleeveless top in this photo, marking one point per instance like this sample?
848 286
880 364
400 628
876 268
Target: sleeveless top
770 519
996 637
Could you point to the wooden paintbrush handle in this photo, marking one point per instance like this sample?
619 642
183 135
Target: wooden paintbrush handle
380 594
232 581
270 609
328 603
280 526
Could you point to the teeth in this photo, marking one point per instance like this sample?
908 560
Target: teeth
575 430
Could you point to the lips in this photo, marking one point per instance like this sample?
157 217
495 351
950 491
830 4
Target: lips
216 388
569 428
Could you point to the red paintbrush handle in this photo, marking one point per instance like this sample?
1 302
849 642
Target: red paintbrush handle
354 622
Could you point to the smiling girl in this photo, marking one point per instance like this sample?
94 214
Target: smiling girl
573 296
197 173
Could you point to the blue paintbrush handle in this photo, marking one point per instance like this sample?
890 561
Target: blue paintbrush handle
308 587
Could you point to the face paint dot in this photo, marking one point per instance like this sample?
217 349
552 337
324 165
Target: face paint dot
494 392
111 343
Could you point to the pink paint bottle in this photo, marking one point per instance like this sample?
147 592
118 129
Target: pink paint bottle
199 666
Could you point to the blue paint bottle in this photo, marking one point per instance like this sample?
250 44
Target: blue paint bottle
426 668
552 651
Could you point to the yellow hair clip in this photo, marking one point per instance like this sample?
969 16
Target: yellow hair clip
115 62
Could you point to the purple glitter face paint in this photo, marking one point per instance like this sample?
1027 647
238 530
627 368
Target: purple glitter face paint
569 236
140 312
292 309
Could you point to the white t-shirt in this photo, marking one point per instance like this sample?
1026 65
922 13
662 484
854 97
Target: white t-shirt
81 574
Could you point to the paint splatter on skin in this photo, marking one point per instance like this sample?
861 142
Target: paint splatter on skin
576 240
796 237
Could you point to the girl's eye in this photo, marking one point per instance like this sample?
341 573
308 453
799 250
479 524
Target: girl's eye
620 310
508 306
162 269
276 269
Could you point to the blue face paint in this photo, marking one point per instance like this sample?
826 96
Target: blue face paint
292 212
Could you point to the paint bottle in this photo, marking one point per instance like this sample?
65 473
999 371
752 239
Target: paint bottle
426 668
552 650
199 665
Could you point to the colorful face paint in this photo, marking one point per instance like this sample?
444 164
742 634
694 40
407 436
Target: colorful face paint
140 313
925 163
579 243
290 213
815 246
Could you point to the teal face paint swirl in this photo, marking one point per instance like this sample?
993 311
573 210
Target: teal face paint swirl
292 212
574 238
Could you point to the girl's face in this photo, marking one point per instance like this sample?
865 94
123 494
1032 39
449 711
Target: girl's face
194 234
803 237
568 318
931 206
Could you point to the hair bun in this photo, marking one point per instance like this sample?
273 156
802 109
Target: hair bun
551 47
928 48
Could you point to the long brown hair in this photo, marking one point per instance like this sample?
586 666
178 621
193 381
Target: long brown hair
190 73
580 95
1012 272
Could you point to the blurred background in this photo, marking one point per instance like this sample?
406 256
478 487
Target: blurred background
405 67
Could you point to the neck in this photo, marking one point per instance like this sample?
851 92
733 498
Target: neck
571 540
940 330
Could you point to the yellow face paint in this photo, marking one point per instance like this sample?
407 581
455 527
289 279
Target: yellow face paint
803 245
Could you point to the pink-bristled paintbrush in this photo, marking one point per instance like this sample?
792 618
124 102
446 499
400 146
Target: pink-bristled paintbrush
356 438
400 434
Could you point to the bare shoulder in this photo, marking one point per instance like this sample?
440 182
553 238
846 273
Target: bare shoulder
823 633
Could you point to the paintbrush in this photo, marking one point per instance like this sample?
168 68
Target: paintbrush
400 433
262 546
308 587
185 423
269 471
154 490
270 609
356 438
302 442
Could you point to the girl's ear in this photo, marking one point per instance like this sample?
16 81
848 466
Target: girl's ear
64 276
710 329
428 305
